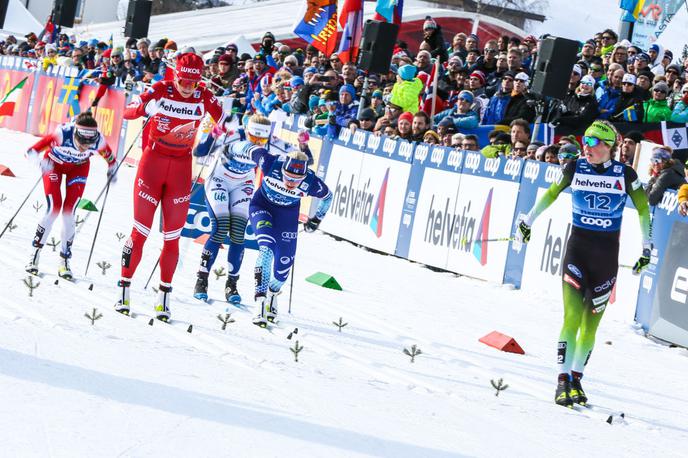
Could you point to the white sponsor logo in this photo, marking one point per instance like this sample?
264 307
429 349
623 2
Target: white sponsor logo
345 135
180 110
388 146
472 161
421 153
200 220
531 171
491 165
289 236
454 159
618 168
669 202
553 174
359 138
374 142
405 150
194 71
600 222
609 185
512 167
182 199
679 287
437 156
148 197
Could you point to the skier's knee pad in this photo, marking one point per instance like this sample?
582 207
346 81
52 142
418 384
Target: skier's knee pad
220 229
237 229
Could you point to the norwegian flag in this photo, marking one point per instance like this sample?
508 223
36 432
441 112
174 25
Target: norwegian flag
430 93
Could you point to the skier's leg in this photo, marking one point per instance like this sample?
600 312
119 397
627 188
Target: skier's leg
216 199
574 309
52 181
175 206
240 198
287 233
75 180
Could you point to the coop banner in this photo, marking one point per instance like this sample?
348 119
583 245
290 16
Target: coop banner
367 177
462 218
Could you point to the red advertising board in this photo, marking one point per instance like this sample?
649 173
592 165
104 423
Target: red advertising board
50 109
9 79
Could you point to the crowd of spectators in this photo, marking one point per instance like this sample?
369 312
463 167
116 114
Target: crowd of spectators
475 84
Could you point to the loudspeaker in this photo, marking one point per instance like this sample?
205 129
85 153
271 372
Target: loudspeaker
138 18
64 12
3 12
377 46
553 67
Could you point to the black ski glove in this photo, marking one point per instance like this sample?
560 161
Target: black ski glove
642 262
523 233
312 224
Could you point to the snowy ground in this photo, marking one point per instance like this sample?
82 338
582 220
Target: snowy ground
123 388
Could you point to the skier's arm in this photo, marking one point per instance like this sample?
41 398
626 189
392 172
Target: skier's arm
106 153
552 193
635 190
320 190
146 105
48 141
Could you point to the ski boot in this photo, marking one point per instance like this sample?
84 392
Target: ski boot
561 395
63 271
201 288
122 305
32 266
231 293
162 307
577 394
271 312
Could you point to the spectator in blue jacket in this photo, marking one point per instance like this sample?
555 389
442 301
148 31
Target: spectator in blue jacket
610 94
462 114
343 112
496 107
680 113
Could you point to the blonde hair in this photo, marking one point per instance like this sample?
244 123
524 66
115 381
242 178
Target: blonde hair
298 155
260 119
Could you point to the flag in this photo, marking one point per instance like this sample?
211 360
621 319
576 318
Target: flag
389 11
69 95
318 26
429 94
110 41
8 102
351 20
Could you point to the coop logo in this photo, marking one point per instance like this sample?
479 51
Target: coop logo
455 159
553 174
679 287
599 222
472 161
512 167
531 171
491 165
457 231
669 202
360 204
421 153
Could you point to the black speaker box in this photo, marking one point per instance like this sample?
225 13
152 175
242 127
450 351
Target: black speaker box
553 67
138 18
64 12
3 12
377 46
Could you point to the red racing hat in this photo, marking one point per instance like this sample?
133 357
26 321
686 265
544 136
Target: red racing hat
189 67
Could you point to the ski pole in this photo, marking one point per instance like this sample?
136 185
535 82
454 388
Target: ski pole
193 185
119 164
95 236
499 239
9 223
291 283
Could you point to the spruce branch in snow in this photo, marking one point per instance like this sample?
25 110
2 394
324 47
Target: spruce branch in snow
104 265
79 220
340 324
119 236
296 349
219 272
3 198
37 206
94 316
225 320
499 386
53 243
28 281
11 226
413 352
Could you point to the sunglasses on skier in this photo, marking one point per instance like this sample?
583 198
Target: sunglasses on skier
188 85
257 140
593 141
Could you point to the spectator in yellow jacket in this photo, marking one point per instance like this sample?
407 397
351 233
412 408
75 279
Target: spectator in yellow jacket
407 89
50 59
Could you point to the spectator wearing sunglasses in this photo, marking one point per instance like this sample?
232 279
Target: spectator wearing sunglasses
581 109
657 109
680 113
665 173
496 107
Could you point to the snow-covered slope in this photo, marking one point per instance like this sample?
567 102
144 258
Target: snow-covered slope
123 388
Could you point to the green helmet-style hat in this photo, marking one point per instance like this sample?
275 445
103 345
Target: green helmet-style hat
602 130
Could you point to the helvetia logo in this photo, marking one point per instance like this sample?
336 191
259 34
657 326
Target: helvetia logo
379 210
480 242
356 202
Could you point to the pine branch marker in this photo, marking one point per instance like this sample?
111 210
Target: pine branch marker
219 272
340 324
104 265
119 236
3 198
226 320
94 316
415 351
79 220
37 206
12 227
296 349
53 243
499 386
28 281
